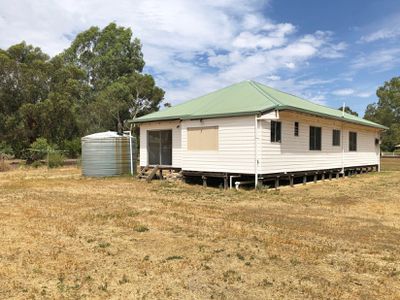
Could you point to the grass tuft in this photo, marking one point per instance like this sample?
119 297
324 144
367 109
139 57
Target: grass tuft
141 228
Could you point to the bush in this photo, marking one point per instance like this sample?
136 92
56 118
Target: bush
56 159
6 150
72 147
36 164
38 150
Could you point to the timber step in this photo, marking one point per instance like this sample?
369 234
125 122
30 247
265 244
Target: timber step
150 172
145 174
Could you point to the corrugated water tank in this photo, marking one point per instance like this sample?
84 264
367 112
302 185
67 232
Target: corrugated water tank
108 154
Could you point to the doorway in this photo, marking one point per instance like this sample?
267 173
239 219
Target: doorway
159 145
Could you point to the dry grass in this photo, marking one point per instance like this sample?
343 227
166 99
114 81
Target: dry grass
4 165
63 236
390 164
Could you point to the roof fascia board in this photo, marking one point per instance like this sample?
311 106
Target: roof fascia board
330 117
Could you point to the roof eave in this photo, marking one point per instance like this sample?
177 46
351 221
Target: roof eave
197 117
286 107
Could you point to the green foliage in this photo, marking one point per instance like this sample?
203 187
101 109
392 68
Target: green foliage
106 54
55 159
113 63
6 149
348 110
72 147
94 85
36 164
387 112
39 149
127 98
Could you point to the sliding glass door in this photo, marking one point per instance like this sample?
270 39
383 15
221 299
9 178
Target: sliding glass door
159 145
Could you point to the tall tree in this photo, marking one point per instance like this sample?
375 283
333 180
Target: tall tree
387 112
39 97
105 55
126 98
113 63
96 84
24 73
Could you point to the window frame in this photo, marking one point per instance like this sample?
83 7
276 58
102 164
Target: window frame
314 145
353 144
296 129
275 130
338 131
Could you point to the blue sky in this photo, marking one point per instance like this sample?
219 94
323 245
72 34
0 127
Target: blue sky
329 52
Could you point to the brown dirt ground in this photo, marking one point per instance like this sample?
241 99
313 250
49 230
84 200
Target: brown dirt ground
64 236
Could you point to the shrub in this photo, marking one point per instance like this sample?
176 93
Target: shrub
72 147
36 164
38 150
6 150
56 159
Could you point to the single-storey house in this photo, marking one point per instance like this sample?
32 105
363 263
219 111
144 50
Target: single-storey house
249 129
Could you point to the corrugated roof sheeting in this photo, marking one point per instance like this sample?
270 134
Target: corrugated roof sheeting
246 98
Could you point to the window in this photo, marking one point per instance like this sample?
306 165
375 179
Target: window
315 138
275 132
352 141
202 138
296 128
335 137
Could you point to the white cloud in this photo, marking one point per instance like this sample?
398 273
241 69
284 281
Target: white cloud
203 45
379 60
385 29
352 92
343 92
381 34
363 94
333 50
273 77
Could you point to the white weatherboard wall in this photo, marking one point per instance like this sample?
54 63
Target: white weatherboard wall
176 141
293 153
236 145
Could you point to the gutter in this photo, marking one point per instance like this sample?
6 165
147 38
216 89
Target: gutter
191 117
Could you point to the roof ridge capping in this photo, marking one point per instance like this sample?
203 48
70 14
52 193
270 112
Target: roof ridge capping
255 85
301 98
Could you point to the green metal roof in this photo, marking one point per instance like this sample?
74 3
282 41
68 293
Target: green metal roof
247 98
